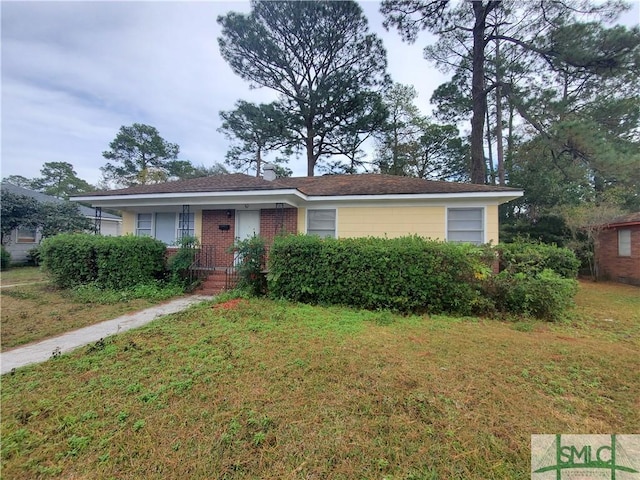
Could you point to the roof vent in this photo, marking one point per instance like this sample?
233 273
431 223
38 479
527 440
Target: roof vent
269 172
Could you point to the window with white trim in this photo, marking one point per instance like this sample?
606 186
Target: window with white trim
465 225
624 243
26 235
144 225
321 223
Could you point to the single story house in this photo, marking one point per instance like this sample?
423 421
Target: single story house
220 209
617 250
24 239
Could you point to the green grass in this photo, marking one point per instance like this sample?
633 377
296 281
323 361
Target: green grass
33 312
17 275
263 389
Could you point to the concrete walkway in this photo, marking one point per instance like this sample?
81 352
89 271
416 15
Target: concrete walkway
41 351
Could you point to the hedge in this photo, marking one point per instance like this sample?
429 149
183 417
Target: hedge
534 258
407 274
111 262
412 274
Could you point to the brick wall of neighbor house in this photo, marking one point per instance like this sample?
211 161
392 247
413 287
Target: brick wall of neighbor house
273 222
610 264
221 240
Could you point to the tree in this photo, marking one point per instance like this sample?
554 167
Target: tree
20 181
258 129
475 23
16 211
141 156
321 60
59 179
198 171
51 218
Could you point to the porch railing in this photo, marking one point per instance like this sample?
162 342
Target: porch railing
204 262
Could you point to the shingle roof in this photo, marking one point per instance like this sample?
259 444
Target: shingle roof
626 219
377 184
327 185
43 198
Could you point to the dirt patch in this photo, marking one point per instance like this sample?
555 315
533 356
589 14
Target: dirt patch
230 304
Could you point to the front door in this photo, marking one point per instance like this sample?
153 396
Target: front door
248 224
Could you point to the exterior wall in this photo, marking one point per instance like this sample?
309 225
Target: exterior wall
302 220
273 222
492 227
128 223
19 251
391 222
109 228
219 240
616 268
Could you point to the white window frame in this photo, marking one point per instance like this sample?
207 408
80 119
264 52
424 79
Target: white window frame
151 229
624 242
21 238
483 228
316 231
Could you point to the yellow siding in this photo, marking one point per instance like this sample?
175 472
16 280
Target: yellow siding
391 221
492 224
302 219
197 224
128 223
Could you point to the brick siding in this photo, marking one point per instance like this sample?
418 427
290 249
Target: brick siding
272 222
220 240
613 267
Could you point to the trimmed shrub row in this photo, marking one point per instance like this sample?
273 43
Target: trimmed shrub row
112 262
412 274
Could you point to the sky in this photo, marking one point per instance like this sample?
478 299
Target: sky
73 73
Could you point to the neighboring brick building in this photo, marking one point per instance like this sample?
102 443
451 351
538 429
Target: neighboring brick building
617 250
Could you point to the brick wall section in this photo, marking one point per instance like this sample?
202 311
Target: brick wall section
221 240
613 267
273 222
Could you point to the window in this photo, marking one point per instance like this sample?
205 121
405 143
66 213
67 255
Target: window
465 225
624 243
26 235
143 224
186 225
321 223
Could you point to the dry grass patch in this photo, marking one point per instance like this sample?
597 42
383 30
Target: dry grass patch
262 389
37 311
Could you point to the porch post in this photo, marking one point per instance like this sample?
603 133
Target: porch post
97 222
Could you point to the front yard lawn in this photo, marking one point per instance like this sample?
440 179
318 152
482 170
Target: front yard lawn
264 389
35 311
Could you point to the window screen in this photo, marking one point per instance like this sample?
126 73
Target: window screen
466 225
624 243
321 223
143 224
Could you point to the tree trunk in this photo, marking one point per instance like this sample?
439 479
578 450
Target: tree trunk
311 159
258 161
478 96
492 172
500 147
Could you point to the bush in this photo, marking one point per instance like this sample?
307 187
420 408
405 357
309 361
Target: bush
545 295
111 262
5 258
33 257
180 262
408 274
251 265
533 258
